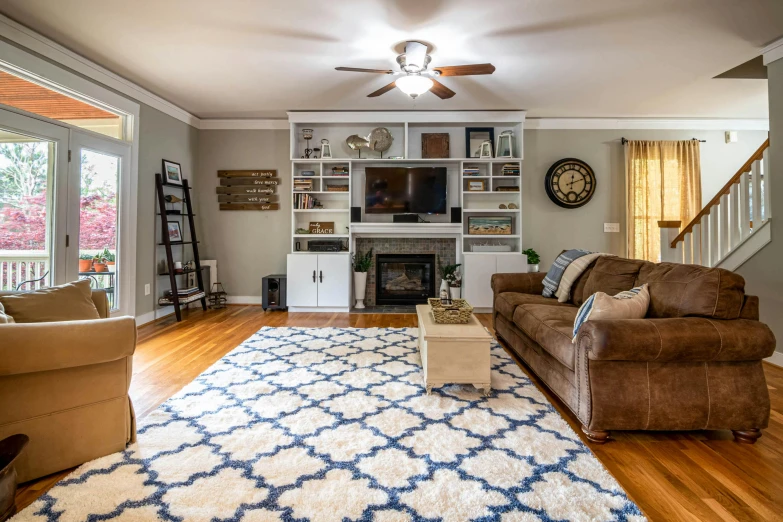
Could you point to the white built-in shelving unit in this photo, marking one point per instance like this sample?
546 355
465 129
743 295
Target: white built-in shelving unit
407 127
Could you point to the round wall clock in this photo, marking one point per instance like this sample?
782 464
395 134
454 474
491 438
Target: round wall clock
570 183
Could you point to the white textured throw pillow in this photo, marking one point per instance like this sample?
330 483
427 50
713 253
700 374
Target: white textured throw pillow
572 273
5 318
631 304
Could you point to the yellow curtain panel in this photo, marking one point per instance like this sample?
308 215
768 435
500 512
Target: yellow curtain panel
663 180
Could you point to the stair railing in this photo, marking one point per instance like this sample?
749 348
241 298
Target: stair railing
739 210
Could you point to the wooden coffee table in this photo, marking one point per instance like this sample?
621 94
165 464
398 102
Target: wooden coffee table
453 353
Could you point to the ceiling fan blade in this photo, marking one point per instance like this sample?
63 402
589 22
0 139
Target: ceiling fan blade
355 69
465 70
382 90
441 91
415 54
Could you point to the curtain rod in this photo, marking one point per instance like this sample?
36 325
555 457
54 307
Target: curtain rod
624 141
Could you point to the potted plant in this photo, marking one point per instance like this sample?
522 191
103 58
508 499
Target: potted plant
98 265
361 264
109 259
447 275
455 284
85 262
532 260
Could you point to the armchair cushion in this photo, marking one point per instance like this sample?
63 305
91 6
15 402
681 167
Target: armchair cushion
676 339
68 302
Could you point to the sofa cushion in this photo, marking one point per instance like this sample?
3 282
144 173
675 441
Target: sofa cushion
68 302
578 296
612 275
5 318
690 290
551 327
506 303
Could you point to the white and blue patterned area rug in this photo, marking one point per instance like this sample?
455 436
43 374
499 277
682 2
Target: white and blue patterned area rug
332 424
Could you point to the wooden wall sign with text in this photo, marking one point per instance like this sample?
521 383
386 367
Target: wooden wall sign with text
248 189
322 227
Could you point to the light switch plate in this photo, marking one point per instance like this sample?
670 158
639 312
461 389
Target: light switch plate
147 289
611 227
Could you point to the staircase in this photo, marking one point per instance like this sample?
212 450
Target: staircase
732 227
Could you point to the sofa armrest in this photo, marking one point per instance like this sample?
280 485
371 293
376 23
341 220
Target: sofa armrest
37 347
528 283
676 339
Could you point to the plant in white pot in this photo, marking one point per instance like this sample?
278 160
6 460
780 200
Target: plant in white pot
455 285
532 260
447 275
361 265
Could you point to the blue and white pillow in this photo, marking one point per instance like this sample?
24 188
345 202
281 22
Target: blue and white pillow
552 279
630 304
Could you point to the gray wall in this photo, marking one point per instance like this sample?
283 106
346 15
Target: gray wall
763 273
247 244
549 229
160 136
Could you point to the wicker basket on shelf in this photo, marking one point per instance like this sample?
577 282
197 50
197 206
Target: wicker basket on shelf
458 312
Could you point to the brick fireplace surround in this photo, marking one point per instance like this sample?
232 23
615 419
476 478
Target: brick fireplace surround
443 248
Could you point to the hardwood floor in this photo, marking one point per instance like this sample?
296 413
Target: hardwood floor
670 475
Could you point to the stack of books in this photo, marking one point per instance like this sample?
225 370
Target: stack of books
511 169
340 170
303 184
471 171
304 201
186 295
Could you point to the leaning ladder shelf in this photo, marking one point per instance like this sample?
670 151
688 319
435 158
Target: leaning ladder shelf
164 219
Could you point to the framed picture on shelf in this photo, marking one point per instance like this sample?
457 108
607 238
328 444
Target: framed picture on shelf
172 173
489 226
477 185
175 233
474 137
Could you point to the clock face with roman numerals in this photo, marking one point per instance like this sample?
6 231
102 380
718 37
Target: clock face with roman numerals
570 183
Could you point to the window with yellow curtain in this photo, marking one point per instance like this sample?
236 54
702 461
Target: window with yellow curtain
663 180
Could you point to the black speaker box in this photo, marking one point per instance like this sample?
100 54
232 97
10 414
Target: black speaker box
273 292
456 214
406 218
356 214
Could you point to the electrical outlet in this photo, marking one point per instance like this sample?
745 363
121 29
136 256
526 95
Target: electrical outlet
611 227
147 289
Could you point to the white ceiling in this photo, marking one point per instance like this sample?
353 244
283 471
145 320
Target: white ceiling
554 58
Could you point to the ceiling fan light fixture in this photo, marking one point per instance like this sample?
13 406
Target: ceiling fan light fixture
413 85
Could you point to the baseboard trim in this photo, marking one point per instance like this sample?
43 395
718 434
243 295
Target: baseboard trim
154 315
775 359
244 299
317 309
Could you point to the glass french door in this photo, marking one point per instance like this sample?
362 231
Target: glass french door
96 216
33 208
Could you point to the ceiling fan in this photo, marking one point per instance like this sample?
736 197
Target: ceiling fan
415 79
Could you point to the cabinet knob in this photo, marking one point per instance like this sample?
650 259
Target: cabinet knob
313 276
321 276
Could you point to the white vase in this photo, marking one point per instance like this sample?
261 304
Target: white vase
532 268
444 287
454 291
359 287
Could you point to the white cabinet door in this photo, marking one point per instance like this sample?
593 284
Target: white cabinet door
511 264
334 280
478 275
302 280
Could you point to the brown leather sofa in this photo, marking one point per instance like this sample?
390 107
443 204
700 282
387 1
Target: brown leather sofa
65 385
693 363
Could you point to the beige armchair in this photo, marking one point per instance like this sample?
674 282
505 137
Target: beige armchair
65 385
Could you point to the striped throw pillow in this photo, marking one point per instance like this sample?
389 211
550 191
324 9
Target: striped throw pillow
631 304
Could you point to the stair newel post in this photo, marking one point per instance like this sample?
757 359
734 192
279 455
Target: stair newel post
194 239
669 232
167 244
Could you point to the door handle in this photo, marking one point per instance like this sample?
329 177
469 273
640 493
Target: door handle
313 276
321 276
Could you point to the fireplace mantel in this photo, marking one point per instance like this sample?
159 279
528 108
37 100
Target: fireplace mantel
447 230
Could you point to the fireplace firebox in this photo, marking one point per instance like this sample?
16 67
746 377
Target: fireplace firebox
404 278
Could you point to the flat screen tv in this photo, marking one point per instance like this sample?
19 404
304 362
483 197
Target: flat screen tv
405 190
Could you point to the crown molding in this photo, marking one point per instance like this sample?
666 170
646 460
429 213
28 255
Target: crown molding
773 51
645 124
243 124
27 38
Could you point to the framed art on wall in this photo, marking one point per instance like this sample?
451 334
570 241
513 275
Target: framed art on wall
172 173
489 226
